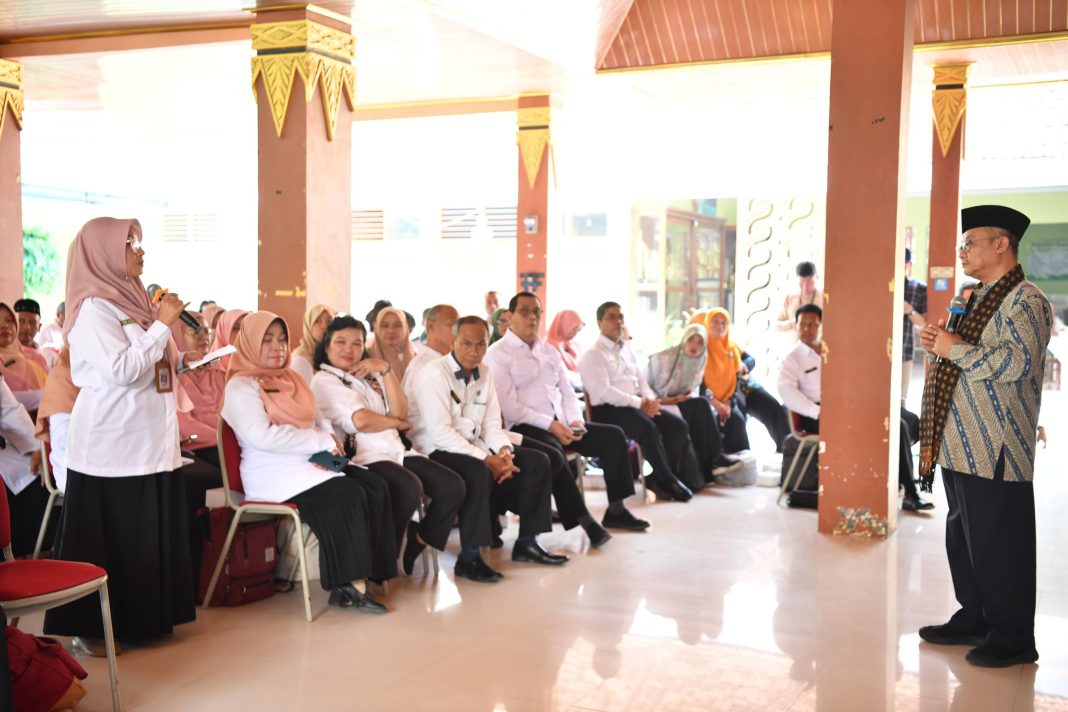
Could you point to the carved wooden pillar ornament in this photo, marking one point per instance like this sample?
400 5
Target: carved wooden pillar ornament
321 55
532 137
950 99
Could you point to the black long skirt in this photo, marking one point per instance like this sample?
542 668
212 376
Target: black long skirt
26 511
136 529
338 513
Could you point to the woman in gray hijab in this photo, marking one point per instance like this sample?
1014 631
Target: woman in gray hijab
675 375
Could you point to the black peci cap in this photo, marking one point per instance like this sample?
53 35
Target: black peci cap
994 216
28 305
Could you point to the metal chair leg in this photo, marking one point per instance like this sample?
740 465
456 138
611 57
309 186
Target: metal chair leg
52 497
222 559
299 527
109 645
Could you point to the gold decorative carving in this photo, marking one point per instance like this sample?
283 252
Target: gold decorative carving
949 100
532 137
320 55
11 96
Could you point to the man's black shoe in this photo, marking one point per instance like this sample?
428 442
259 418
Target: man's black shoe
598 536
915 504
624 520
947 635
412 549
994 655
673 490
534 554
476 570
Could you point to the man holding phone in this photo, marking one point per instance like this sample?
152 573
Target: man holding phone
538 402
456 418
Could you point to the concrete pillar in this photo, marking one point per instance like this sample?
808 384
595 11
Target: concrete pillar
11 103
532 138
305 158
871 72
949 102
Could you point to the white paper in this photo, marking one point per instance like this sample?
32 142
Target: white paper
209 358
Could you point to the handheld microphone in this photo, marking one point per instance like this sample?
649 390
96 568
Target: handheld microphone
157 293
958 307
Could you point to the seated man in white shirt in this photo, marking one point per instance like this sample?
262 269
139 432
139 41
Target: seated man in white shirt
438 324
619 395
799 388
456 419
538 402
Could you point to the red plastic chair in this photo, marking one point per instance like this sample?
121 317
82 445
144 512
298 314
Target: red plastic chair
28 586
230 463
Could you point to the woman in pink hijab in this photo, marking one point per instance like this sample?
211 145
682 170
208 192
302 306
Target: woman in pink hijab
562 332
20 367
124 508
226 329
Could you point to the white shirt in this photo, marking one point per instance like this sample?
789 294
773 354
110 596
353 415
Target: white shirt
611 376
302 366
799 381
274 458
58 424
338 396
119 426
531 383
448 414
18 430
51 335
422 358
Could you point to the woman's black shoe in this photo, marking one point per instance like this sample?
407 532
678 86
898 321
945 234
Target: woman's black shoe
347 596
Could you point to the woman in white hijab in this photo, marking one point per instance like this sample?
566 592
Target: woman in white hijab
675 375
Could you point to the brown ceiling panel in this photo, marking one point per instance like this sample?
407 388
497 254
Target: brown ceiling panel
672 32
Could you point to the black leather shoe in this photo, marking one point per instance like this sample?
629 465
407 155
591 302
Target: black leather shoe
674 491
915 504
947 635
598 536
476 570
348 597
680 492
994 655
412 549
534 554
625 520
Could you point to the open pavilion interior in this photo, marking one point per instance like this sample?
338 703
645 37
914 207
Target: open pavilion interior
675 154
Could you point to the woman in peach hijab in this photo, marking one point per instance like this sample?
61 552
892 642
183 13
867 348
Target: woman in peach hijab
561 336
733 393
316 320
392 341
125 506
272 411
24 374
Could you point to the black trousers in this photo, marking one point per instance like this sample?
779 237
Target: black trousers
665 441
444 487
705 436
605 442
381 528
338 513
990 543
198 477
527 493
405 491
26 511
735 436
763 406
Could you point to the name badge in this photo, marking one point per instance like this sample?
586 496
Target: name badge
164 376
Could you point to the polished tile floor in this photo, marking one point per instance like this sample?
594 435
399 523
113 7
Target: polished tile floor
729 603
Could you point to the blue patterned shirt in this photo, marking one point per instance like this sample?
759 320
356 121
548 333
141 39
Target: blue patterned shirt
996 402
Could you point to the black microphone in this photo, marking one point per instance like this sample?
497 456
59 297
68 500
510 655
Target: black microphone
958 307
156 293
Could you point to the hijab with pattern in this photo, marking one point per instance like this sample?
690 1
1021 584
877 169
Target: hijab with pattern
286 397
673 372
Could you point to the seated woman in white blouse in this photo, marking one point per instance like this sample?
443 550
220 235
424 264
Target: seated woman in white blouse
272 412
363 399
315 321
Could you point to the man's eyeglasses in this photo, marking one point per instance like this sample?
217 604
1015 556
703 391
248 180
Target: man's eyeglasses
967 245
